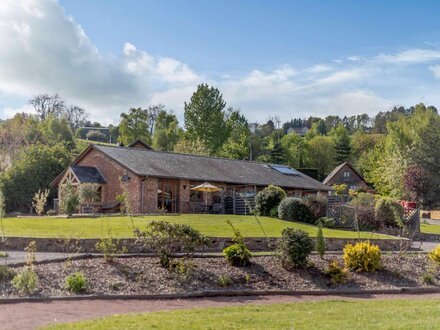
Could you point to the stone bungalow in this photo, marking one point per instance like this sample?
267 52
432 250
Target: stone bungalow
162 181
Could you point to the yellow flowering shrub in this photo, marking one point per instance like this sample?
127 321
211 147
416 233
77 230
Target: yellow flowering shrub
434 255
362 257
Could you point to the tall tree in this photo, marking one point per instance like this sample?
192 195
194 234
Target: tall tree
205 118
46 105
277 154
321 154
134 126
238 142
342 144
76 117
166 131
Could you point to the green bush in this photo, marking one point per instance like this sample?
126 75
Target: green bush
163 238
294 209
363 200
337 274
107 247
362 257
326 222
26 281
366 218
6 273
389 212
267 199
76 282
317 205
237 254
51 213
320 242
224 281
294 247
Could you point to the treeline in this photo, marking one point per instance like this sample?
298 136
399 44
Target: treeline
395 150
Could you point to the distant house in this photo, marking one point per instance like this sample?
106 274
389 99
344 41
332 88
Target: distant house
346 174
301 131
162 181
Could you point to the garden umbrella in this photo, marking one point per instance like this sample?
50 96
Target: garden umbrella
206 187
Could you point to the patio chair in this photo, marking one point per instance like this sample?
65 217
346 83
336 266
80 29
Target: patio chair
216 208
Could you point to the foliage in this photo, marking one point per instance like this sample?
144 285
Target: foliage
366 218
51 213
294 209
237 254
320 242
205 118
336 272
317 205
295 246
76 282
107 247
135 125
88 192
224 281
434 255
326 222
343 148
362 257
163 238
321 152
70 200
389 212
237 144
277 154
363 199
34 168
181 267
340 189
95 135
267 199
26 281
40 201
6 273
416 184
193 147
166 131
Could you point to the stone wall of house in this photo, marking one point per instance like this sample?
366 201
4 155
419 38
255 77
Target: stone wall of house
112 172
184 195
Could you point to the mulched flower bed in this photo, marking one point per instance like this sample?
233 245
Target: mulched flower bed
143 275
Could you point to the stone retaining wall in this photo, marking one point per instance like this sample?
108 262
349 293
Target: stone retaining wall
218 244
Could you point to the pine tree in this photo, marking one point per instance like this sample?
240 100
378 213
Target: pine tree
343 149
320 243
277 154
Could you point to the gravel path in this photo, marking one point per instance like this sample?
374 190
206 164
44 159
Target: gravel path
33 315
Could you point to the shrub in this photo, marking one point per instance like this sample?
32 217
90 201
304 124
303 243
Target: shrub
294 247
237 254
6 273
76 282
366 218
434 255
267 199
224 281
294 209
107 247
317 205
362 257
363 199
181 267
164 238
337 274
274 212
51 213
40 201
326 222
320 242
88 192
340 189
70 200
26 281
389 212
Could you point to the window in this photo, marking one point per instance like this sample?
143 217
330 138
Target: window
346 176
284 169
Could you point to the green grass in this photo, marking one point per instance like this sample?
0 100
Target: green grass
121 227
427 228
3 254
372 314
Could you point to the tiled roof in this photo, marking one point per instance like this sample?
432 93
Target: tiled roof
86 174
202 168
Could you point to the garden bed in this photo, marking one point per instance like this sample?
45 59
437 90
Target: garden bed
144 275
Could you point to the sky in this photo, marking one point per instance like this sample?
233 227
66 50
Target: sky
269 58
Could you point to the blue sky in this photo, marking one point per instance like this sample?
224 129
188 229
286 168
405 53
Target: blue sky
285 58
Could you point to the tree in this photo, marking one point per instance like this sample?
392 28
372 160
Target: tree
416 183
237 144
40 201
88 192
185 146
205 118
166 131
46 105
76 117
96 136
277 154
135 126
34 168
70 200
321 152
342 146
295 150
57 130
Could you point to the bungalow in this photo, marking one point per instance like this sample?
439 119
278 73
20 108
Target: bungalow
162 181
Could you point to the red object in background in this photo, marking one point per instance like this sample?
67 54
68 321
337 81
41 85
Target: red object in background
408 205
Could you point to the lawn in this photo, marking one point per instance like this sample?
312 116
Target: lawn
428 228
121 227
372 314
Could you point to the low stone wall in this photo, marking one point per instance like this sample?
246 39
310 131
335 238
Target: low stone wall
218 244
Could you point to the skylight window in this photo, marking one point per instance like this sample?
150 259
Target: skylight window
284 169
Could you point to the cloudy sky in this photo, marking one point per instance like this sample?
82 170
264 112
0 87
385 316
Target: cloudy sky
285 58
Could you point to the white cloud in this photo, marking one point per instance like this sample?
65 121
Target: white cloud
319 68
411 56
435 69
